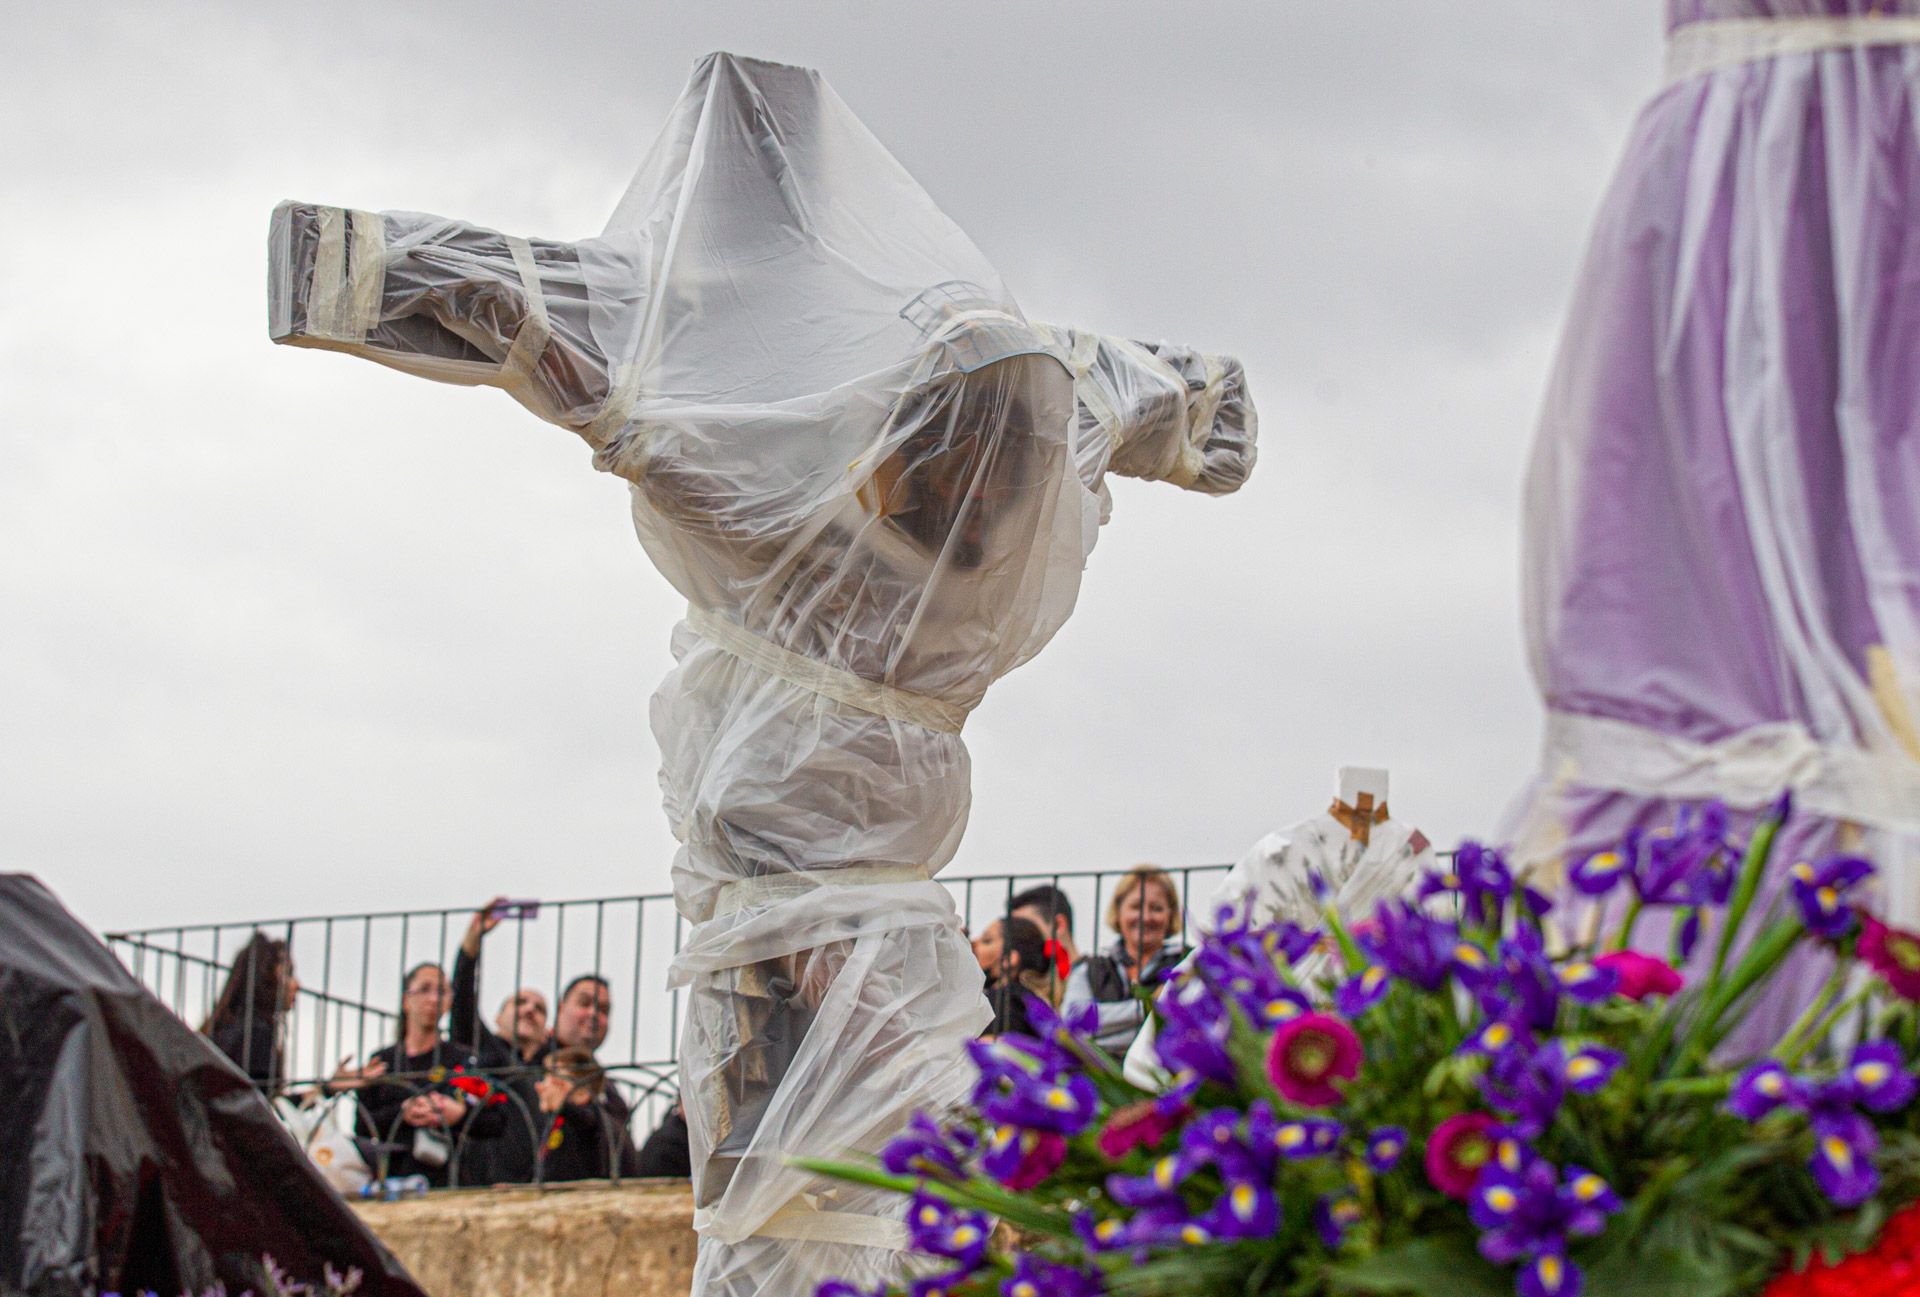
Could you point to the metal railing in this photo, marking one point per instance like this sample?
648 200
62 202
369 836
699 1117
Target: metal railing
351 967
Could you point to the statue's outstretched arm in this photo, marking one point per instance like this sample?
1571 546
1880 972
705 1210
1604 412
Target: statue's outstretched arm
1161 412
441 299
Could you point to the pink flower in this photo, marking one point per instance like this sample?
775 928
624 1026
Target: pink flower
1458 1150
1138 1125
1309 1053
1033 1156
1892 953
1640 975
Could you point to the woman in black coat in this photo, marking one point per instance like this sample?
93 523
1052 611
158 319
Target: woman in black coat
248 1020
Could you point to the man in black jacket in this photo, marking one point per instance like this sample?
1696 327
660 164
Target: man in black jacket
518 1066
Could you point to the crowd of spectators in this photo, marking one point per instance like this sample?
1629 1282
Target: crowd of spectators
458 1101
516 1103
1031 952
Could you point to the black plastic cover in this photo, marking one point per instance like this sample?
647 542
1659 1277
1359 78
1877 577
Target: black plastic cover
133 1155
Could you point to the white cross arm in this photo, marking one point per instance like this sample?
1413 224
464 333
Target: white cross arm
440 299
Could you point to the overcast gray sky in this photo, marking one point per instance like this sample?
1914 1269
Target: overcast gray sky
284 632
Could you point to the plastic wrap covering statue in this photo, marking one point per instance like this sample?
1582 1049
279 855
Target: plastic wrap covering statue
864 470
139 1157
1722 515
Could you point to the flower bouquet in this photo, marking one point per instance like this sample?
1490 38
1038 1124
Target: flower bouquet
1471 1102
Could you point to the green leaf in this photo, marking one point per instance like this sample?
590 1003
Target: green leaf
1439 1266
1661 1272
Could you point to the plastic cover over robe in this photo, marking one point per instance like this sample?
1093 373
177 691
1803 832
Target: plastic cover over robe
876 484
1722 520
136 1155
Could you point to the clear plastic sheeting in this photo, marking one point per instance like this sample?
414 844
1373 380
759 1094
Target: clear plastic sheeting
876 484
1275 877
1722 521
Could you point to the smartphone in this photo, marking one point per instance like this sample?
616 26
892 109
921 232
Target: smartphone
516 910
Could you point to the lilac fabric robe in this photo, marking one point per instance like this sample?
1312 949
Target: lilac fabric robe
1722 530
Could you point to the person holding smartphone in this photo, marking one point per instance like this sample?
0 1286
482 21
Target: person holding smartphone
515 1056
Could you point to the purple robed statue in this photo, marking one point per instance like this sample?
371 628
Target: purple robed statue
1722 577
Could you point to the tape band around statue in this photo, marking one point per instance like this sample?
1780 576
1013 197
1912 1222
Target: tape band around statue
803 1221
1709 46
771 889
1202 406
348 279
1748 770
536 329
828 682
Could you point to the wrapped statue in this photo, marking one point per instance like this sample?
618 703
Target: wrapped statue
1723 510
876 484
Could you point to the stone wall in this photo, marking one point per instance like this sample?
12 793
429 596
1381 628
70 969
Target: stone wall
575 1240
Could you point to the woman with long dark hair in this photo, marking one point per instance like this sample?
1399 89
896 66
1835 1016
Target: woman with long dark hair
248 1020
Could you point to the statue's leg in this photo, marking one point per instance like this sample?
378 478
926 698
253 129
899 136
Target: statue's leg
820 1053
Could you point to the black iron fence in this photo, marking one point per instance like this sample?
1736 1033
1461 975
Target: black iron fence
350 969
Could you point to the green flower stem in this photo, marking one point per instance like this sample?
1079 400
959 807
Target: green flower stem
976 1193
1627 924
1789 1043
1349 951
1791 1058
1748 886
1762 957
1687 1087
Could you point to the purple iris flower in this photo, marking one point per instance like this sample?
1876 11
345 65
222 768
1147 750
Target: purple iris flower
1159 1187
1822 893
937 1285
1694 863
1247 1209
1358 994
1550 1275
1762 1088
1333 1215
1479 876
1412 946
1314 1137
1288 940
1035 1276
1282 941
1520 985
1588 983
1065 1105
1021 1159
1216 1138
940 1229
1013 1054
1385 1147
1194 1027
1599 873
1062 1029
1844 1141
1239 965
1102 1233
841 1288
1527 1083
924 1148
1843 1165
1877 1077
1530 1215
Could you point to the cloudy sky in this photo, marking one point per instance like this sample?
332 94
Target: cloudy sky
285 632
